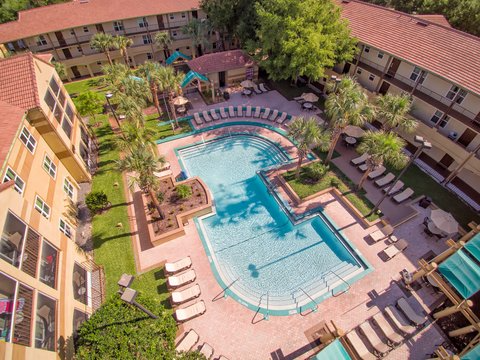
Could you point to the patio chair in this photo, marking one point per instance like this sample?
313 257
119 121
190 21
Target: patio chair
387 179
258 110
181 279
392 190
231 111
274 115
249 111
379 347
206 116
188 341
299 99
190 312
263 87
377 172
396 248
266 113
179 297
214 114
387 330
399 320
223 114
359 346
382 233
206 350
240 110
197 118
257 90
282 118
404 195
179 265
162 174
416 319
359 160
363 167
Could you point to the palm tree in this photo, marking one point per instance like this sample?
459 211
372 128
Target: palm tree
114 75
135 137
122 43
307 134
170 81
103 42
348 105
393 111
150 72
197 30
143 165
163 40
383 147
132 108
136 88
61 69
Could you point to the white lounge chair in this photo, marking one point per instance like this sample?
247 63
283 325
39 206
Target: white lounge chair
206 116
249 111
359 346
263 87
258 109
240 110
379 347
231 111
387 179
190 312
206 350
162 174
223 114
266 113
382 233
273 116
359 160
415 318
282 117
214 114
377 172
179 297
363 167
257 90
188 341
179 265
392 190
399 320
181 279
404 195
396 248
388 331
197 118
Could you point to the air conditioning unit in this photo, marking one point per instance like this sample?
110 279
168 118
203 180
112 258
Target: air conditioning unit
452 135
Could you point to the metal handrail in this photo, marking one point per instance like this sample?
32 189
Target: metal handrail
313 300
266 316
342 279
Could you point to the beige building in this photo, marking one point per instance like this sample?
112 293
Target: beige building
47 285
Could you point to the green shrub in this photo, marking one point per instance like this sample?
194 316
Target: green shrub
334 182
96 201
160 197
184 191
316 171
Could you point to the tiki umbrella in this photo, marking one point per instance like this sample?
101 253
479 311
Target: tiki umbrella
310 97
354 131
247 84
180 100
444 221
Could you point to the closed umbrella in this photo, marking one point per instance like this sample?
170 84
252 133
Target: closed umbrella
310 97
180 100
444 221
354 131
247 84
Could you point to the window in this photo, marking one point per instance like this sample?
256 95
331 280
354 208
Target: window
147 39
85 29
172 16
452 92
45 323
99 63
72 32
68 188
149 56
48 264
49 166
79 48
69 111
142 22
174 33
65 228
42 207
11 242
19 183
67 126
380 55
436 116
444 121
28 140
415 73
80 284
366 49
359 71
41 41
371 77
214 45
118 25
183 15
461 96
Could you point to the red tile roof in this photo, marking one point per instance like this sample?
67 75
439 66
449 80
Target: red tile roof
79 13
434 18
220 61
447 52
10 119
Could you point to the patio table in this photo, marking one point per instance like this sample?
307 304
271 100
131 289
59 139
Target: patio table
350 140
307 105
181 110
247 92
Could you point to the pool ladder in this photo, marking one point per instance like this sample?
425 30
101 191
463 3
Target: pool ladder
315 308
342 279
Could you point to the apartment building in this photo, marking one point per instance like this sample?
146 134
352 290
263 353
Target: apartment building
47 285
65 30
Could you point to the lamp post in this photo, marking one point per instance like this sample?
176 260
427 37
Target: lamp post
129 296
108 96
424 144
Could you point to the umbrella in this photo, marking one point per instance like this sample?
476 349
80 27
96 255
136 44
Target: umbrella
180 100
354 131
444 221
310 97
247 84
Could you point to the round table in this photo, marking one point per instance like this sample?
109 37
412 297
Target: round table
181 109
350 140
307 105
247 92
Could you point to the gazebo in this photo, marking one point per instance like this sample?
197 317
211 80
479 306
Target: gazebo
199 78
177 56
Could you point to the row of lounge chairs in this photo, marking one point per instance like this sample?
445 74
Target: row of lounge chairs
396 245
395 191
207 116
395 324
191 339
260 88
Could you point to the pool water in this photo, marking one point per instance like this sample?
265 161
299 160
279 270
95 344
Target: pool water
251 241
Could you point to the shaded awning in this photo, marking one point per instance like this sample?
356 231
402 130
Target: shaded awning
335 350
473 246
473 354
175 56
193 75
462 273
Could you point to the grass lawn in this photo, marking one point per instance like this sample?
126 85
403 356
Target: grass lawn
92 84
289 91
164 131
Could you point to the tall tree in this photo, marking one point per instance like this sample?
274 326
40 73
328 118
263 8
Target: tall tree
123 43
347 105
89 103
170 82
164 41
135 137
393 111
103 42
151 73
132 108
113 75
300 38
383 147
61 69
307 134
197 30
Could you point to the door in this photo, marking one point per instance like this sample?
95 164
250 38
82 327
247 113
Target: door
75 71
67 53
392 70
221 78
346 68
160 22
467 137
99 27
195 14
384 88
60 38
446 161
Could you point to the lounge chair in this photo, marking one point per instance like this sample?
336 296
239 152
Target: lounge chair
191 311
206 350
273 116
223 114
162 174
392 190
388 331
249 111
359 346
206 116
363 167
197 118
359 160
377 172
282 118
231 111
387 179
179 297
266 113
399 320
415 318
396 248
379 347
382 233
257 112
257 90
214 114
179 265
240 110
299 99
404 195
263 87
188 341
181 279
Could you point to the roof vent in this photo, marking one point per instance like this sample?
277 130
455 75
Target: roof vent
422 23
83 1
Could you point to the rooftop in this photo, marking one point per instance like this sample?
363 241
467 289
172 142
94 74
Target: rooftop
9 121
220 61
435 18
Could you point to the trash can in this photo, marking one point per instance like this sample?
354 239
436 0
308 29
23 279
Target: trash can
425 202
226 95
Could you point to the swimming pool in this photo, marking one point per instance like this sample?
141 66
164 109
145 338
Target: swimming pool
267 263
